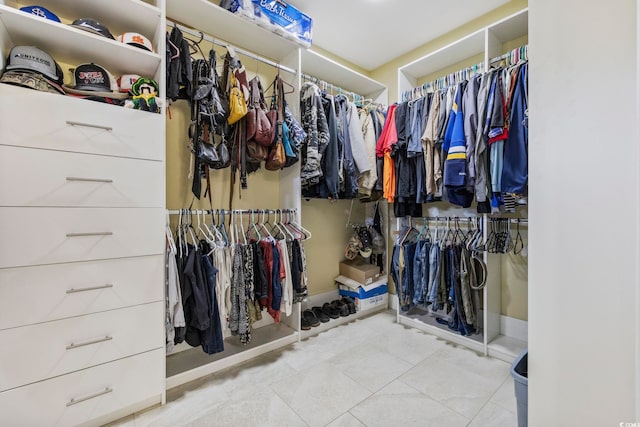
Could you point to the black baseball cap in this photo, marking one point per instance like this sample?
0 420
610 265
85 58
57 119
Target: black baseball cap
92 26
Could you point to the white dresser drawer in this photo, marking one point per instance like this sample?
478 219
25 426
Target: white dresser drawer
30 177
56 122
34 236
45 350
107 388
75 289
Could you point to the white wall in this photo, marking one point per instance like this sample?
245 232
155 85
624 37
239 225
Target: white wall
583 213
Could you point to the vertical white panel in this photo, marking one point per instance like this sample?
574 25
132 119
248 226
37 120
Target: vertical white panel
584 213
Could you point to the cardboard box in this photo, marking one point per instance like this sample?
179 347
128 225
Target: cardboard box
366 296
360 271
372 302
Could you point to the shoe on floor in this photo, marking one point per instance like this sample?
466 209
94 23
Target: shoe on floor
341 307
304 324
311 318
321 315
350 303
330 310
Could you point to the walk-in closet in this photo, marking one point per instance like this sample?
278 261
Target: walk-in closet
293 213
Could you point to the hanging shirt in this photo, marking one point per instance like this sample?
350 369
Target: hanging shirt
384 145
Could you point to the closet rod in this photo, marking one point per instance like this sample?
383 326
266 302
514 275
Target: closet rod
210 39
319 81
443 82
511 220
229 212
508 54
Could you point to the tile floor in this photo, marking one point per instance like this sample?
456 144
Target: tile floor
369 372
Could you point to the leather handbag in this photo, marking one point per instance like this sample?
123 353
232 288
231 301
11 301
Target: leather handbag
277 156
261 123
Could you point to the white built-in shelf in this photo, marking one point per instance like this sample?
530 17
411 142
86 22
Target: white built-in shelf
119 16
421 320
217 22
340 321
72 46
330 71
511 27
467 47
194 363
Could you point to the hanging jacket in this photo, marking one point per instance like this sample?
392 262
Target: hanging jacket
456 155
367 179
480 161
314 123
349 172
515 170
431 153
470 109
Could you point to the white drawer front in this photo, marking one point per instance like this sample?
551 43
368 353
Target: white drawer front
106 388
37 352
56 122
74 289
33 236
31 177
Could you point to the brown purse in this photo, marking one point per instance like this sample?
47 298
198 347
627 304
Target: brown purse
261 123
277 156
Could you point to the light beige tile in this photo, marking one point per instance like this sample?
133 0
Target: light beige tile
346 420
256 374
369 366
397 387
408 344
493 370
122 422
184 404
320 394
264 408
460 390
506 396
406 410
494 416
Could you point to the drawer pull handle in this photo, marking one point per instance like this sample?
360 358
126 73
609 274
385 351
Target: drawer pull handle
73 178
89 125
73 401
99 233
92 288
82 344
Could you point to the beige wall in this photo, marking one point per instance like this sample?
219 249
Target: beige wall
327 222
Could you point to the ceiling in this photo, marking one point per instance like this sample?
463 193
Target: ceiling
370 33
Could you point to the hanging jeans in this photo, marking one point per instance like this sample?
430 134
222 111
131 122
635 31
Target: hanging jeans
434 275
421 272
407 276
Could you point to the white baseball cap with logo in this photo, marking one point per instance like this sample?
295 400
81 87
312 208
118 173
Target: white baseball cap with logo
137 40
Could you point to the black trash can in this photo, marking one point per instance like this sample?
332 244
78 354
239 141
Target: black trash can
520 380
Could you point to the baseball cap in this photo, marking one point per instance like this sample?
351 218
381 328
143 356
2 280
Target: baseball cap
137 40
94 80
126 81
31 80
40 12
30 58
92 26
